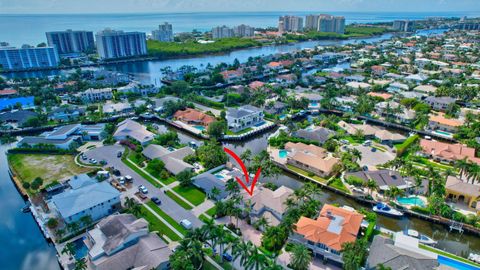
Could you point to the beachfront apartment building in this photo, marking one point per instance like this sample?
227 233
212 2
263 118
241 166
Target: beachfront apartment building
70 41
164 33
244 117
243 30
290 24
403 25
325 23
28 57
326 234
222 32
112 44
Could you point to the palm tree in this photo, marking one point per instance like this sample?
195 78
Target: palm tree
73 227
246 156
86 221
81 264
371 185
136 209
220 238
69 249
129 202
256 259
242 251
462 165
356 154
215 192
301 257
260 223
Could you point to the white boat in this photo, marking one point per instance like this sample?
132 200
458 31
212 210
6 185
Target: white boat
474 257
421 237
384 209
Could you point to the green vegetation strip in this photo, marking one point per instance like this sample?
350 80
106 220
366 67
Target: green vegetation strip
239 132
192 194
338 184
156 225
178 200
212 211
306 174
165 216
449 255
141 173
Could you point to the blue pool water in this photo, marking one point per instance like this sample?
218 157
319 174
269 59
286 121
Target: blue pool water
282 153
81 249
411 201
202 128
219 176
313 104
455 264
260 124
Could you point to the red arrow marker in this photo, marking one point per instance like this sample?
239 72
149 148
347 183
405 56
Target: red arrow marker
245 172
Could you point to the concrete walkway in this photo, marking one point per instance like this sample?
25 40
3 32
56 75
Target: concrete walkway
203 207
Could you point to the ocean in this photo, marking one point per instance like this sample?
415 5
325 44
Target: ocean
19 29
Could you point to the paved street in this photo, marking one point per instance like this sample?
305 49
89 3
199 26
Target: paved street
109 154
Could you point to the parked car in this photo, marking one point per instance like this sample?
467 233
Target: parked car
128 178
103 162
84 157
116 172
156 200
121 180
143 189
119 154
227 257
93 161
186 224
367 143
374 149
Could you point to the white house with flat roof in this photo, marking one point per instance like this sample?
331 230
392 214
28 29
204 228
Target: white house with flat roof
244 117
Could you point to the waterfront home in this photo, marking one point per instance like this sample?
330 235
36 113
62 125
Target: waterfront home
107 77
129 129
66 113
401 252
317 134
345 103
124 242
268 203
311 158
277 107
286 79
66 137
135 87
440 122
326 234
159 103
256 85
385 179
389 138
439 103
358 85
173 159
447 152
217 178
353 129
194 117
93 95
354 78
463 192
118 108
244 117
231 76
16 118
313 100
85 197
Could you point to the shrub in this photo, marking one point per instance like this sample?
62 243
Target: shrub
421 210
52 223
25 185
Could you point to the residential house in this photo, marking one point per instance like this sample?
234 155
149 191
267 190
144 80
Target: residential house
389 138
354 129
278 107
217 178
159 103
378 70
326 234
439 103
137 88
286 79
256 85
118 108
231 76
85 197
318 134
173 159
268 203
401 252
66 113
354 78
440 122
462 191
194 117
426 89
129 129
311 158
384 96
93 95
244 117
447 152
396 87
358 85
385 179
124 242
17 118
345 103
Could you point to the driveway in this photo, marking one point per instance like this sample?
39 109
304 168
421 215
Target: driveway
370 158
109 154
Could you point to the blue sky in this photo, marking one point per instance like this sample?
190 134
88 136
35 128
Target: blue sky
127 6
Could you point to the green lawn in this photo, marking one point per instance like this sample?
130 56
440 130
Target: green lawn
449 255
212 211
204 218
169 219
137 158
178 200
141 173
191 194
239 132
305 173
47 166
158 226
338 184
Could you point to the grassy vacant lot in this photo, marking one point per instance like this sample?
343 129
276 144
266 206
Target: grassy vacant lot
47 166
191 194
169 219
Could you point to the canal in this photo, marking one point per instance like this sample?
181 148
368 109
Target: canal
460 244
22 242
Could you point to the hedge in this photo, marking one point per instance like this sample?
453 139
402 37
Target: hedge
401 148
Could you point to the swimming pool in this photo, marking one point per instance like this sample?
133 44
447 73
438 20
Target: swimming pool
219 176
201 128
443 133
282 153
411 201
260 124
81 249
455 264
